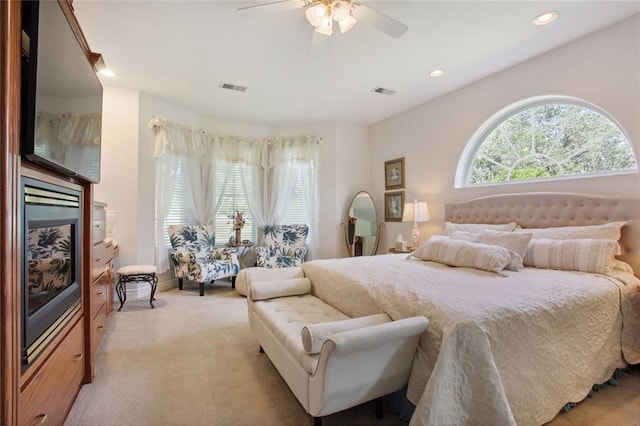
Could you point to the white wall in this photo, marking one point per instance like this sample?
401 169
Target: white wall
602 68
118 185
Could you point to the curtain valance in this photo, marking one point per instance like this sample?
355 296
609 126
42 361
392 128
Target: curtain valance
175 138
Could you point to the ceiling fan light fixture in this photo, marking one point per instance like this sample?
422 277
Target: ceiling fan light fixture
340 10
315 14
325 29
347 23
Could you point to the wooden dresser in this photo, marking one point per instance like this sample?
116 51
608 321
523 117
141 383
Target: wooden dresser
102 278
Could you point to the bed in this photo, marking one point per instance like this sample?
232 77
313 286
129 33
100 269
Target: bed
509 348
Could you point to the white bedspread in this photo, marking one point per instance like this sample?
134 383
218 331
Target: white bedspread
498 350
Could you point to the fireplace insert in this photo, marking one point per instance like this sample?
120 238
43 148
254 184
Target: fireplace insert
51 266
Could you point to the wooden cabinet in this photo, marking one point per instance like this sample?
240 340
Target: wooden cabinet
50 384
102 281
49 392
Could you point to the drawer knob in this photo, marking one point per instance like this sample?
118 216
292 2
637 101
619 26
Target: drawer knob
78 357
100 293
100 327
41 419
99 259
98 225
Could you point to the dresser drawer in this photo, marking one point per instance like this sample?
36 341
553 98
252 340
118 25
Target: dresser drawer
99 292
99 261
99 324
99 224
48 396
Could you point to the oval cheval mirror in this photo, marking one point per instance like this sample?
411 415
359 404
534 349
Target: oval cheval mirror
362 230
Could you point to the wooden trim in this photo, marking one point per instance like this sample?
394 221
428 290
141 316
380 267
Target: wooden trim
95 59
10 65
87 283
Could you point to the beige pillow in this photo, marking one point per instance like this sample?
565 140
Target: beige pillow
450 227
262 290
465 254
585 255
516 241
472 237
607 231
314 335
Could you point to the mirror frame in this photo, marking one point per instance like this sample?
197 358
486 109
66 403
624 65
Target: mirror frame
346 226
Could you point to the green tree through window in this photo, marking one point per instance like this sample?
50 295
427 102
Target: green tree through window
546 140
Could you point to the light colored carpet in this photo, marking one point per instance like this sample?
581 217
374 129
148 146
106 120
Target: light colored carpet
193 361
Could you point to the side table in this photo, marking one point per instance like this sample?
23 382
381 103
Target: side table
408 250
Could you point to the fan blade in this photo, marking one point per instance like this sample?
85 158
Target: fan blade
379 21
275 6
318 42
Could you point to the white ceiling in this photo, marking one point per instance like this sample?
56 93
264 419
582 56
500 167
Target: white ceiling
181 51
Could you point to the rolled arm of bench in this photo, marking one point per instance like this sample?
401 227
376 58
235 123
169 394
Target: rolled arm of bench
359 365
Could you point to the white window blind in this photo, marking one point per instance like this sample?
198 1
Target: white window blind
236 182
178 214
298 210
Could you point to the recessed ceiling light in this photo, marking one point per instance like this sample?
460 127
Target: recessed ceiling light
107 72
546 18
436 73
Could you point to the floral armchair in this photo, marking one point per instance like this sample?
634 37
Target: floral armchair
196 259
283 246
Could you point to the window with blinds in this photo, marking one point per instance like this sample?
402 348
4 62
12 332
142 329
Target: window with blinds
237 183
298 211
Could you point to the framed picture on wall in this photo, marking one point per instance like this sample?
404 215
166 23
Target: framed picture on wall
393 205
394 174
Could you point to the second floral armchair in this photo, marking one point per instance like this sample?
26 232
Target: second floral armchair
196 259
282 246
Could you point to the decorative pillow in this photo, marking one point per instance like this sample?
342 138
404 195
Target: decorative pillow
607 231
472 237
619 265
314 335
516 241
450 227
466 254
585 255
262 290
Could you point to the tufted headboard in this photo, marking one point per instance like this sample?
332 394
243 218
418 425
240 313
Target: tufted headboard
546 209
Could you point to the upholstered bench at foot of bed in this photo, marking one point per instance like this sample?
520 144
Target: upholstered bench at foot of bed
338 362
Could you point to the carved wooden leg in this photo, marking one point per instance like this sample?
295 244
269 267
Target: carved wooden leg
202 288
179 283
377 403
233 281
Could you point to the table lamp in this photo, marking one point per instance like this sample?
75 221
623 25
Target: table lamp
415 212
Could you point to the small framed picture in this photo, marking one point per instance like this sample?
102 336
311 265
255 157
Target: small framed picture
394 174
393 205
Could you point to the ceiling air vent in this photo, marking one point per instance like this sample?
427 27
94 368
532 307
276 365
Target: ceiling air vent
233 87
384 91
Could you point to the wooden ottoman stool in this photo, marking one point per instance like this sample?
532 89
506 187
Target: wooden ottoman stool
136 273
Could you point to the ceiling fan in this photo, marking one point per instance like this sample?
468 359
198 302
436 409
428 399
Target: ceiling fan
321 14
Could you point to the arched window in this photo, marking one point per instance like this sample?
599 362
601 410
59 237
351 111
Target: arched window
545 138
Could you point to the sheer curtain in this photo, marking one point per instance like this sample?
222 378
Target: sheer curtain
166 169
285 154
266 177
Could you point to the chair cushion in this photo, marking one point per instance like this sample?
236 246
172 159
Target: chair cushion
196 238
285 316
137 269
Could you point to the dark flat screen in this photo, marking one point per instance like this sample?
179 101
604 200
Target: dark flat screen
65 118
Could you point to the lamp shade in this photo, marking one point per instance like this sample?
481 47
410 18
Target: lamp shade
416 212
